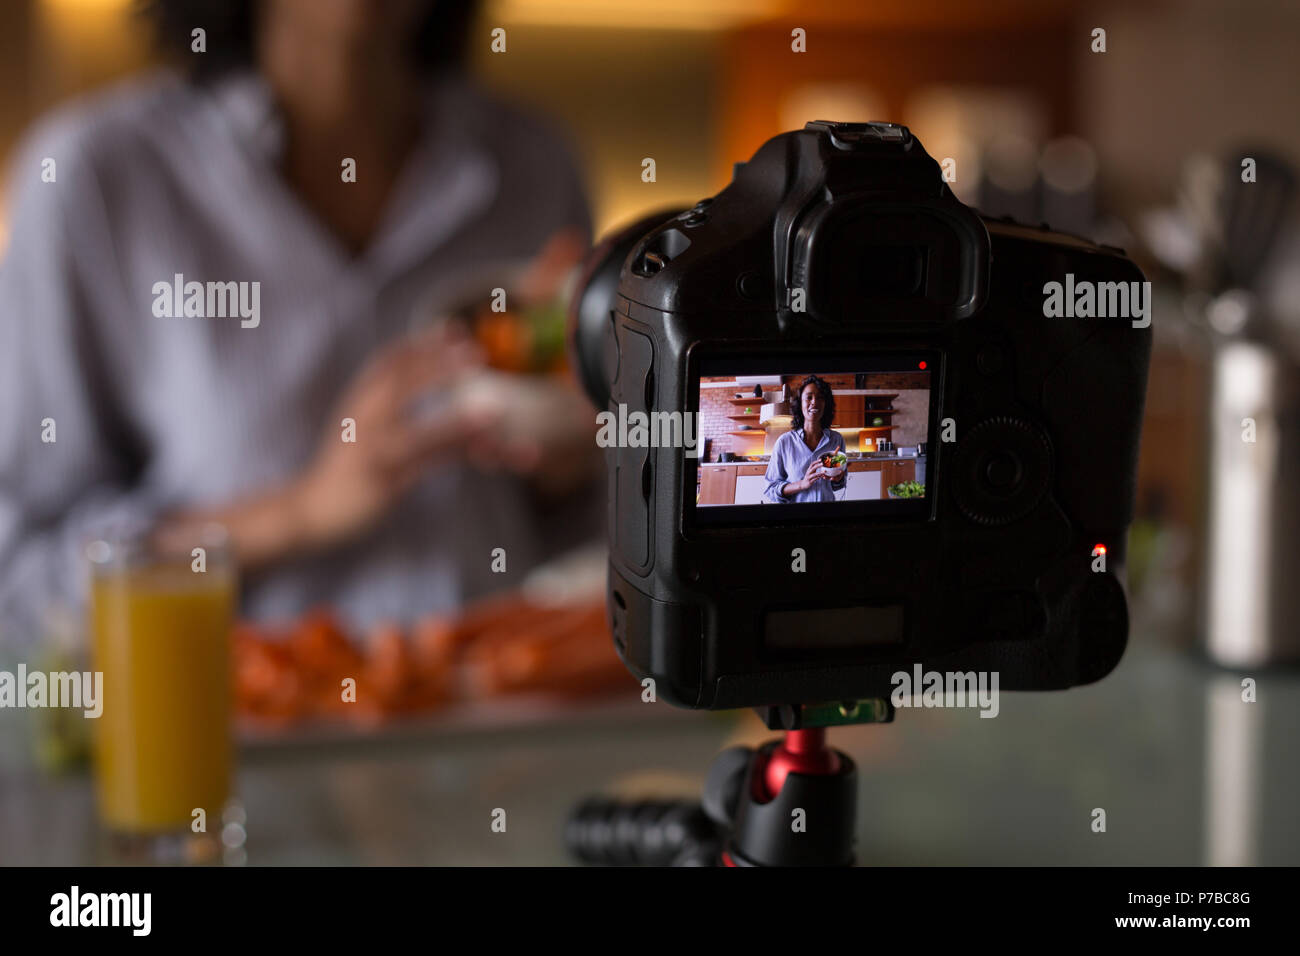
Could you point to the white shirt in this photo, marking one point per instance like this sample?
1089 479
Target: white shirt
790 459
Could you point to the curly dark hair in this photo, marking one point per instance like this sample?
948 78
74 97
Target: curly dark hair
828 401
438 44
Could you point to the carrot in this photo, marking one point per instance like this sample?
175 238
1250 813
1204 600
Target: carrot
562 646
433 644
324 658
498 645
486 614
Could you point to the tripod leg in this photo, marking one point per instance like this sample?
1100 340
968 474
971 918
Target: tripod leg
791 802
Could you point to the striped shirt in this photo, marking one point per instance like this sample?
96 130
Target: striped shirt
161 178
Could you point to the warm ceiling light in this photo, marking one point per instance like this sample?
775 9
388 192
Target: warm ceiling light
633 14
88 6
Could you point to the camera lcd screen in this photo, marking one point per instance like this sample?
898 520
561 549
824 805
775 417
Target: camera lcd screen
800 438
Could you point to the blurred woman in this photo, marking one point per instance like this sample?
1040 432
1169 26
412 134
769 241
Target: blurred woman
330 162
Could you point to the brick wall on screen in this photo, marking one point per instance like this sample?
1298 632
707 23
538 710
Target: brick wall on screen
714 423
836 380
885 381
894 381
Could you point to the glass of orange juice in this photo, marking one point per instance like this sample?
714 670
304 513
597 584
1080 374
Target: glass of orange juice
160 627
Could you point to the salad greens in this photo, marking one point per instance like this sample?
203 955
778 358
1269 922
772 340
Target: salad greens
907 489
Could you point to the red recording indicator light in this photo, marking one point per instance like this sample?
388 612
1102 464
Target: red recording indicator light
1099 549
921 365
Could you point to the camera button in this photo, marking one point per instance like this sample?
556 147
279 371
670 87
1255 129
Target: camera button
850 136
750 285
1003 471
698 212
649 263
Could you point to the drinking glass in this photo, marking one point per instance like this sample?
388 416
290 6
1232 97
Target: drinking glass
160 625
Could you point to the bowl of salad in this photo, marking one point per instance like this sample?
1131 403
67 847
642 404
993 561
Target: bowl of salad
834 463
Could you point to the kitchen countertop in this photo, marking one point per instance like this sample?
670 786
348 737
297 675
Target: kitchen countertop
851 457
1187 773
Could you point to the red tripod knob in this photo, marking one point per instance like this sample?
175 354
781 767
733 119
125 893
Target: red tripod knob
802 751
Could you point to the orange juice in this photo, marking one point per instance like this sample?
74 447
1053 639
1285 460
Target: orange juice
161 636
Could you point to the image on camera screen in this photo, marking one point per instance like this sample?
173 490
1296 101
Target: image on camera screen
810 436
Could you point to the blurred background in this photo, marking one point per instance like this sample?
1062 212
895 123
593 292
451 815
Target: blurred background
1141 146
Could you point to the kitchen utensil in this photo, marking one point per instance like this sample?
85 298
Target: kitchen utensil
1253 215
1251 610
1252 607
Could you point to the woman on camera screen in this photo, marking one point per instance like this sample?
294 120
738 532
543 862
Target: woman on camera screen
808 462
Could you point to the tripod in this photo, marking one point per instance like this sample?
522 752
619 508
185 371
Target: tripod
789 802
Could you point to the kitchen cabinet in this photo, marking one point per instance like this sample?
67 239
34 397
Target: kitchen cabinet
751 481
743 483
749 489
862 410
863 485
864 481
896 472
717 484
849 410
870 479
728 484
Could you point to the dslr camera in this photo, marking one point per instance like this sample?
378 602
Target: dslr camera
977 518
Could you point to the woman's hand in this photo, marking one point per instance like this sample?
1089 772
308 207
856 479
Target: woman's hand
348 485
546 432
814 474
